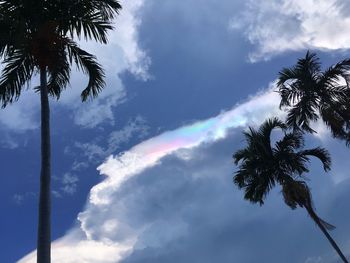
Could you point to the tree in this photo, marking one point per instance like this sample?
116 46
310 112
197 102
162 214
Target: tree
262 166
309 94
37 37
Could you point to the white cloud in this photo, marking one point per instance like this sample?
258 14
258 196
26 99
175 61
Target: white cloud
90 114
85 251
78 166
110 228
8 142
89 154
69 183
135 127
19 198
149 152
90 239
91 150
277 26
19 116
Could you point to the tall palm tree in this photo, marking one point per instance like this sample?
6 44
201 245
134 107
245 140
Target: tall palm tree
309 93
262 166
37 38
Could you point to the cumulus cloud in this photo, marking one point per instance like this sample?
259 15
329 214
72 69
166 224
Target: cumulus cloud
277 26
170 199
105 222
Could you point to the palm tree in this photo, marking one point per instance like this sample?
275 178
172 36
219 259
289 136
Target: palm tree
37 37
309 93
262 166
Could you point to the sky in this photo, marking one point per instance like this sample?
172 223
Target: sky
143 173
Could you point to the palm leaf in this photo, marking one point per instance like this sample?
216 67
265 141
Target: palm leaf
88 64
88 19
18 71
59 76
332 75
321 154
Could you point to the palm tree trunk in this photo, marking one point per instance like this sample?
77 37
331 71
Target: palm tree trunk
44 224
325 232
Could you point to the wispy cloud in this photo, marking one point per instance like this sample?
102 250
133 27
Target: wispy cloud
69 183
90 154
19 198
135 128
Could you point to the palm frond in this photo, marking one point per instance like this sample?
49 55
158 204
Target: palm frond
331 76
13 29
241 155
321 154
305 68
301 114
270 124
59 76
286 75
18 71
90 27
289 162
255 184
6 36
257 188
88 64
108 8
89 19
291 141
310 64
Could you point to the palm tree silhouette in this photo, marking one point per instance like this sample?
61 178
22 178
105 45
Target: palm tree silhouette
37 37
309 94
262 166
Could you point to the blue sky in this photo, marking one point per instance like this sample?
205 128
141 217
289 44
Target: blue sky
144 172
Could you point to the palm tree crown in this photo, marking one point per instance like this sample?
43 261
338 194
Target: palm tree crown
263 165
39 34
309 94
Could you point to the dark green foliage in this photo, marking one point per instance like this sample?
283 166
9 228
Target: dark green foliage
310 94
263 165
38 34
